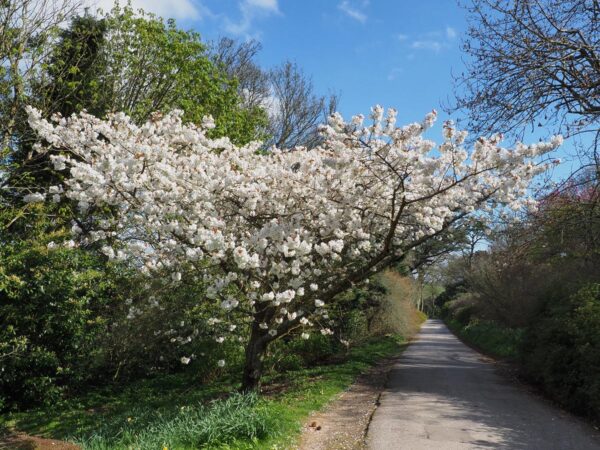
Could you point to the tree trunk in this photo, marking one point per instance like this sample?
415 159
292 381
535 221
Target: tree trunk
253 364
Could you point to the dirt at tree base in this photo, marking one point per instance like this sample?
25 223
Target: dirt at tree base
22 441
343 424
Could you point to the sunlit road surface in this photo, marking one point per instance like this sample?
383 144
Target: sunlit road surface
443 395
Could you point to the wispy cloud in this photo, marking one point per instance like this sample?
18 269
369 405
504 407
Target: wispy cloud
250 11
265 5
434 41
427 44
354 11
176 9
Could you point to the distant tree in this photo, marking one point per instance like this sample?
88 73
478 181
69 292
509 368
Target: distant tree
532 64
295 110
28 29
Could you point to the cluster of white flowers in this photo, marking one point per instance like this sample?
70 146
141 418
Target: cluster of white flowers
288 229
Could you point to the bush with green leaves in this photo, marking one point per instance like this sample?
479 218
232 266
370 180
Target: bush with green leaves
561 351
53 306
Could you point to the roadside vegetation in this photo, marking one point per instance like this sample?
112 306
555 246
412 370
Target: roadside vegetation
182 409
534 296
529 291
489 337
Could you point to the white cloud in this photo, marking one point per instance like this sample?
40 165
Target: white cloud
427 44
251 10
434 41
402 37
267 5
176 9
352 11
272 104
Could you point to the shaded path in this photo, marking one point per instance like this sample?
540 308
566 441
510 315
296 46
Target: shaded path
443 395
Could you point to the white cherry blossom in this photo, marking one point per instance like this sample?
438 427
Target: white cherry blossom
284 229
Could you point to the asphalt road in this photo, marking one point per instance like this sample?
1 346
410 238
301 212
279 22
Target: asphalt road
442 395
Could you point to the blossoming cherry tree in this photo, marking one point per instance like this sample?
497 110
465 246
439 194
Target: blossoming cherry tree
275 235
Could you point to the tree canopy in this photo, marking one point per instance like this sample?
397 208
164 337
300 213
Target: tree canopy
531 65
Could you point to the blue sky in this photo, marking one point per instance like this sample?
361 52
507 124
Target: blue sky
395 53
398 53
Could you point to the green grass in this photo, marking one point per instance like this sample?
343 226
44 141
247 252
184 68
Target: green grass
178 412
489 337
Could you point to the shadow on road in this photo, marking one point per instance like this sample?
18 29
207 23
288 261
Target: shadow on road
443 395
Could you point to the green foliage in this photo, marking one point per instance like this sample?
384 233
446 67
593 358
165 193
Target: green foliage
139 64
562 350
297 353
179 409
71 81
52 306
490 337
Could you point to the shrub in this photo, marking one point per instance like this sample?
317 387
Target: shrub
51 311
463 307
491 337
157 323
397 312
561 351
295 353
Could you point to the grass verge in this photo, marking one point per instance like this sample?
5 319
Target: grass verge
177 412
489 337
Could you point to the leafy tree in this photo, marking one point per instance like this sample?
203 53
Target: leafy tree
70 82
152 65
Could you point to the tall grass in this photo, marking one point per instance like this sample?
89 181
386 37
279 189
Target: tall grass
242 419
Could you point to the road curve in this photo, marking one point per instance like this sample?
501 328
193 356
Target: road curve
441 395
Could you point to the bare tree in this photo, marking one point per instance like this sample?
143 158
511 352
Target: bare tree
285 92
533 63
27 27
295 110
238 61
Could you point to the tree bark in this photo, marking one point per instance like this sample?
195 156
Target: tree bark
253 365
